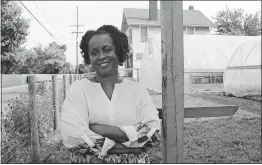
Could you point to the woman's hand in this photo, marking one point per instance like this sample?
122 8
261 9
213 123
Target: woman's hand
111 132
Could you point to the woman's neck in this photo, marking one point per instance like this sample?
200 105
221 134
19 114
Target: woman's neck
107 80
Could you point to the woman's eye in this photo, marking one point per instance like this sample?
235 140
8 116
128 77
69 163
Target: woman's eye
107 50
94 53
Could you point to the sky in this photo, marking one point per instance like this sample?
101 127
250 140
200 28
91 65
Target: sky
57 16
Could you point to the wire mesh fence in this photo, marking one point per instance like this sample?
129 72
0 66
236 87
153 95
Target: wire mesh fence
16 143
16 139
45 111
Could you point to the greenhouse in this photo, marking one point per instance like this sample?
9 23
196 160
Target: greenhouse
243 73
204 56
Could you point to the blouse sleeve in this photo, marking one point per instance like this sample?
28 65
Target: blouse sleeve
74 121
148 123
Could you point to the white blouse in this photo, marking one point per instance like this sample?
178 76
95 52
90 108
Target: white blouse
130 109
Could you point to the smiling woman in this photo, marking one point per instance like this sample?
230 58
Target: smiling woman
107 119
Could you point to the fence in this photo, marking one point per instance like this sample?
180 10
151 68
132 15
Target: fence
30 118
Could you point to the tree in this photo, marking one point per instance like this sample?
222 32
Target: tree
14 30
39 60
236 22
49 60
67 68
83 69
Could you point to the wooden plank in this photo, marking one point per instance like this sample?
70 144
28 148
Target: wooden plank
199 112
172 80
244 67
55 101
33 119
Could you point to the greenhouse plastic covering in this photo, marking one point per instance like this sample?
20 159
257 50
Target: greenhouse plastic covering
243 74
202 53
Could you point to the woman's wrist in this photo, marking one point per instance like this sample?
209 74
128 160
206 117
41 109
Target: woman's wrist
111 132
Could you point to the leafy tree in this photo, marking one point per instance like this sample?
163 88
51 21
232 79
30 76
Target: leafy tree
83 69
39 60
67 68
49 60
236 22
53 58
14 29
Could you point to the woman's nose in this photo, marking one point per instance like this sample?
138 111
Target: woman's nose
101 55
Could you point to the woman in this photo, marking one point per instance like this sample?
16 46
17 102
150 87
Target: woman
107 119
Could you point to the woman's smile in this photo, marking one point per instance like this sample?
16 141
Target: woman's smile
105 64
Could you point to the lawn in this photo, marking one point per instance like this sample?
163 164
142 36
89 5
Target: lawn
235 139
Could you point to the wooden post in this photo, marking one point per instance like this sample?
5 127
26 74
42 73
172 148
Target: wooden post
55 101
64 85
71 79
137 75
33 119
210 78
215 77
172 80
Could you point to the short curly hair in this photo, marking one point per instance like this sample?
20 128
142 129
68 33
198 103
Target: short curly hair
120 41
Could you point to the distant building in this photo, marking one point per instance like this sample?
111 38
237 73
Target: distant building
140 24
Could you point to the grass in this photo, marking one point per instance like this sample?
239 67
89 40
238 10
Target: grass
226 140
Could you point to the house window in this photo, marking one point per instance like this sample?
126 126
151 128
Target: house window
143 34
139 56
130 36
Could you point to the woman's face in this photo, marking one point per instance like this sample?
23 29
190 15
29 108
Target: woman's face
102 54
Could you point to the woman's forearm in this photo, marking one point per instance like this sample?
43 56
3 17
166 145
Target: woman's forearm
111 132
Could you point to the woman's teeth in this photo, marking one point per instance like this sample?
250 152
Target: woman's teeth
104 64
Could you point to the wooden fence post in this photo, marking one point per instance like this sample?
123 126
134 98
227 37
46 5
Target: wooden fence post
33 119
172 81
71 79
137 75
215 77
55 101
64 85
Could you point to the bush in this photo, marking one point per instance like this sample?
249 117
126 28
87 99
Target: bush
16 131
16 136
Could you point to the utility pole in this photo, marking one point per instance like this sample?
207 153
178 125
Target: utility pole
77 38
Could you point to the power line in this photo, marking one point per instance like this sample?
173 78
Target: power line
39 22
40 10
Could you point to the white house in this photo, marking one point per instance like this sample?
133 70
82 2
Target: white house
140 24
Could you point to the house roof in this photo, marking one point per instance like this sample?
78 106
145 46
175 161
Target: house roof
141 17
